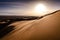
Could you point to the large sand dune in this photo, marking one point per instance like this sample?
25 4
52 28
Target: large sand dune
47 28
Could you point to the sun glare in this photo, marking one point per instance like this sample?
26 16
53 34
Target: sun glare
41 9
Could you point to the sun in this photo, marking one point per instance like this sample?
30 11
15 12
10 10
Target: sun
40 8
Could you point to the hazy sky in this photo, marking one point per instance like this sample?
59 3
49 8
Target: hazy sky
25 7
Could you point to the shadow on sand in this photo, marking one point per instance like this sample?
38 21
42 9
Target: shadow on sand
5 28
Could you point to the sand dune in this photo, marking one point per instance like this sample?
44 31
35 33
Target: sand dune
47 28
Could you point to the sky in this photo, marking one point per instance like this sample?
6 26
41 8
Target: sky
26 7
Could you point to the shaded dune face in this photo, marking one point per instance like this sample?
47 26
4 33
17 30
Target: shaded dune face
47 28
